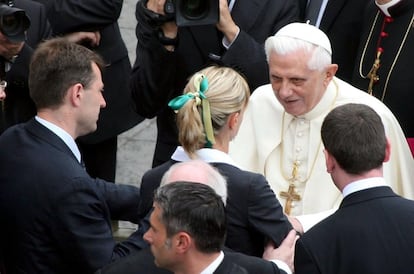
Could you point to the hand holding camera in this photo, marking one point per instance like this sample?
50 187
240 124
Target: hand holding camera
226 23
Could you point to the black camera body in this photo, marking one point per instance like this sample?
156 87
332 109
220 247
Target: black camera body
193 12
13 21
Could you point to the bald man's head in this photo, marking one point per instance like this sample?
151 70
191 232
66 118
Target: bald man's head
197 171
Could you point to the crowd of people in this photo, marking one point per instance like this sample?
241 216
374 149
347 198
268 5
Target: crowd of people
283 143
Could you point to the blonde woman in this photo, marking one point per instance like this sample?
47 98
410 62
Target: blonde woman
209 114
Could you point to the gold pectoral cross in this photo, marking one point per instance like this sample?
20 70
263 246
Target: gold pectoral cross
372 75
291 195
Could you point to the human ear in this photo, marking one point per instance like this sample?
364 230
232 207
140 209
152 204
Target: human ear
182 242
330 73
75 94
329 161
233 120
387 151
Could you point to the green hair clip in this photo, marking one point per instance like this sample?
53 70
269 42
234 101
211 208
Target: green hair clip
201 86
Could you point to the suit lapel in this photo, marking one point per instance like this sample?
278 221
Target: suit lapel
37 129
331 12
366 195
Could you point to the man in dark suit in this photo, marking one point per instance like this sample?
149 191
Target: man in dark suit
342 21
68 16
255 216
371 232
201 172
167 55
54 217
188 228
143 262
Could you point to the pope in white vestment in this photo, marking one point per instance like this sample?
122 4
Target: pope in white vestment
287 149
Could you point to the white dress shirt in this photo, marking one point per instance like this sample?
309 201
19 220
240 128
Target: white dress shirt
62 134
214 265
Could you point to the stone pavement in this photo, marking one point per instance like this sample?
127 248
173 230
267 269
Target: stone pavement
136 146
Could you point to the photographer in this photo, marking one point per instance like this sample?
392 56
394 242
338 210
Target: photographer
15 53
168 54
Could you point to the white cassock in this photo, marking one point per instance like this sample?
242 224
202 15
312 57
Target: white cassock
271 140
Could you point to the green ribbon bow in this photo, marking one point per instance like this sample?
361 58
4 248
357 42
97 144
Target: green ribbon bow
201 85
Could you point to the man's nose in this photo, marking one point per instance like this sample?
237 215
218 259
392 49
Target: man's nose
103 102
285 90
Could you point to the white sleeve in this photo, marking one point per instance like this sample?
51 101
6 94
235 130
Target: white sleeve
309 220
282 265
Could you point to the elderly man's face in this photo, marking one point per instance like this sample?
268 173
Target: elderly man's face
297 87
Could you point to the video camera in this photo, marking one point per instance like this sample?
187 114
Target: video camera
13 21
193 12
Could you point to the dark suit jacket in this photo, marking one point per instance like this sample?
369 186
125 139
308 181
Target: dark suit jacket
18 106
372 232
342 22
254 215
158 75
54 217
143 262
68 16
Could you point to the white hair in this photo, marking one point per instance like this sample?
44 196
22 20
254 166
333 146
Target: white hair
319 59
199 172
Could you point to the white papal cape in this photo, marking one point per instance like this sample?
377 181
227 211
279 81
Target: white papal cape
258 146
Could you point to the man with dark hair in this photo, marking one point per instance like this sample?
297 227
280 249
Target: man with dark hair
54 217
277 260
66 17
188 229
371 219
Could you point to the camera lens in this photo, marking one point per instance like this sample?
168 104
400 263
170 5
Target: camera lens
11 25
194 9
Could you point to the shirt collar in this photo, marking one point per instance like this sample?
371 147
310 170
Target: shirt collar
208 155
214 265
62 134
384 7
363 184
